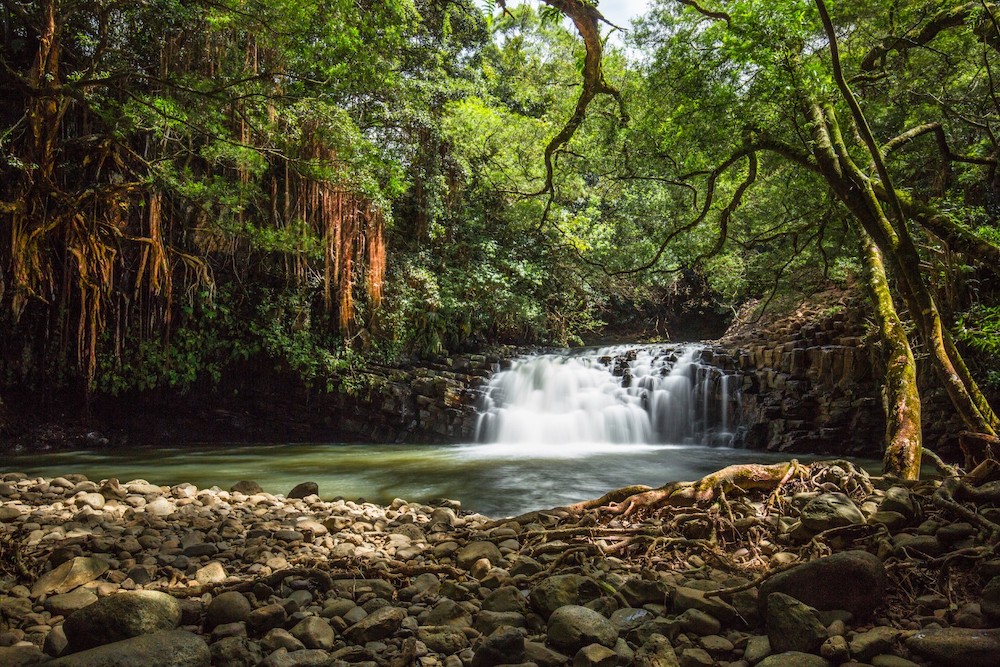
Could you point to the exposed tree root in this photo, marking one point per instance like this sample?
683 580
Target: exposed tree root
735 479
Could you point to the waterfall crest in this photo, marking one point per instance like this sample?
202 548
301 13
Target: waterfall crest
661 394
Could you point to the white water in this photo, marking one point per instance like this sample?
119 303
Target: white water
625 395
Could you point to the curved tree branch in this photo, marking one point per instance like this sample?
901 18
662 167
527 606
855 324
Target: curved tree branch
945 19
587 20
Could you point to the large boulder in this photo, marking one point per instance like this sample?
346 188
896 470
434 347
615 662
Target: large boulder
175 648
854 581
957 647
121 616
572 627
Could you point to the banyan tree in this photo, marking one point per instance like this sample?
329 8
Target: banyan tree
147 150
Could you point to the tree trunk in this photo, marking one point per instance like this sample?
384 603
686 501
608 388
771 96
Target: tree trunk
900 397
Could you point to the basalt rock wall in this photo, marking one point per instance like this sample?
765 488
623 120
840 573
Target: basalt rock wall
811 383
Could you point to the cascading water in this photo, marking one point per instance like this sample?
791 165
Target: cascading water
621 395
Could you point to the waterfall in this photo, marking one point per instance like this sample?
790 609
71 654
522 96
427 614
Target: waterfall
660 394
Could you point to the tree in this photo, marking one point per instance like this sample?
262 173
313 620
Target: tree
765 94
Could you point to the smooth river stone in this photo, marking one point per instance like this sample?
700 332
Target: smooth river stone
69 575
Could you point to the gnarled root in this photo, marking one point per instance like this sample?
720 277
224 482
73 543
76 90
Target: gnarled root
731 480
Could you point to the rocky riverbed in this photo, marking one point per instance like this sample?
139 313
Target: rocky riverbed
833 568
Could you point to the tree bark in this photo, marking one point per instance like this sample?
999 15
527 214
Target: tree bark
900 396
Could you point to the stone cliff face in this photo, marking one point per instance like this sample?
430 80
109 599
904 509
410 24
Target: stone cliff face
812 390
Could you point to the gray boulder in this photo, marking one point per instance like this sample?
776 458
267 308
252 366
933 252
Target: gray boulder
854 581
572 627
314 632
236 652
304 489
174 648
657 651
958 647
794 659
830 510
467 556
121 616
562 590
504 647
246 487
228 607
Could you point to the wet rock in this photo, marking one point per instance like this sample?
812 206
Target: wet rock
543 656
69 575
630 618
572 627
21 656
561 590
691 598
990 603
898 499
228 607
638 592
55 642
467 556
656 652
246 487
504 647
830 510
794 659
792 625
314 632
505 598
302 658
175 648
595 655
380 624
235 652
866 645
443 639
758 647
488 621
304 490
67 603
851 580
265 618
960 647
449 612
122 616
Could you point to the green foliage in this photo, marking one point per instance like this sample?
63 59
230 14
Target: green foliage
979 328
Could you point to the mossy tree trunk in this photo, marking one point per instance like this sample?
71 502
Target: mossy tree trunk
900 396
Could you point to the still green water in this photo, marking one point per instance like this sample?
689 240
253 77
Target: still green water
494 479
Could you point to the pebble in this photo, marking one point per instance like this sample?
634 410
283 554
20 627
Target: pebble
472 593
